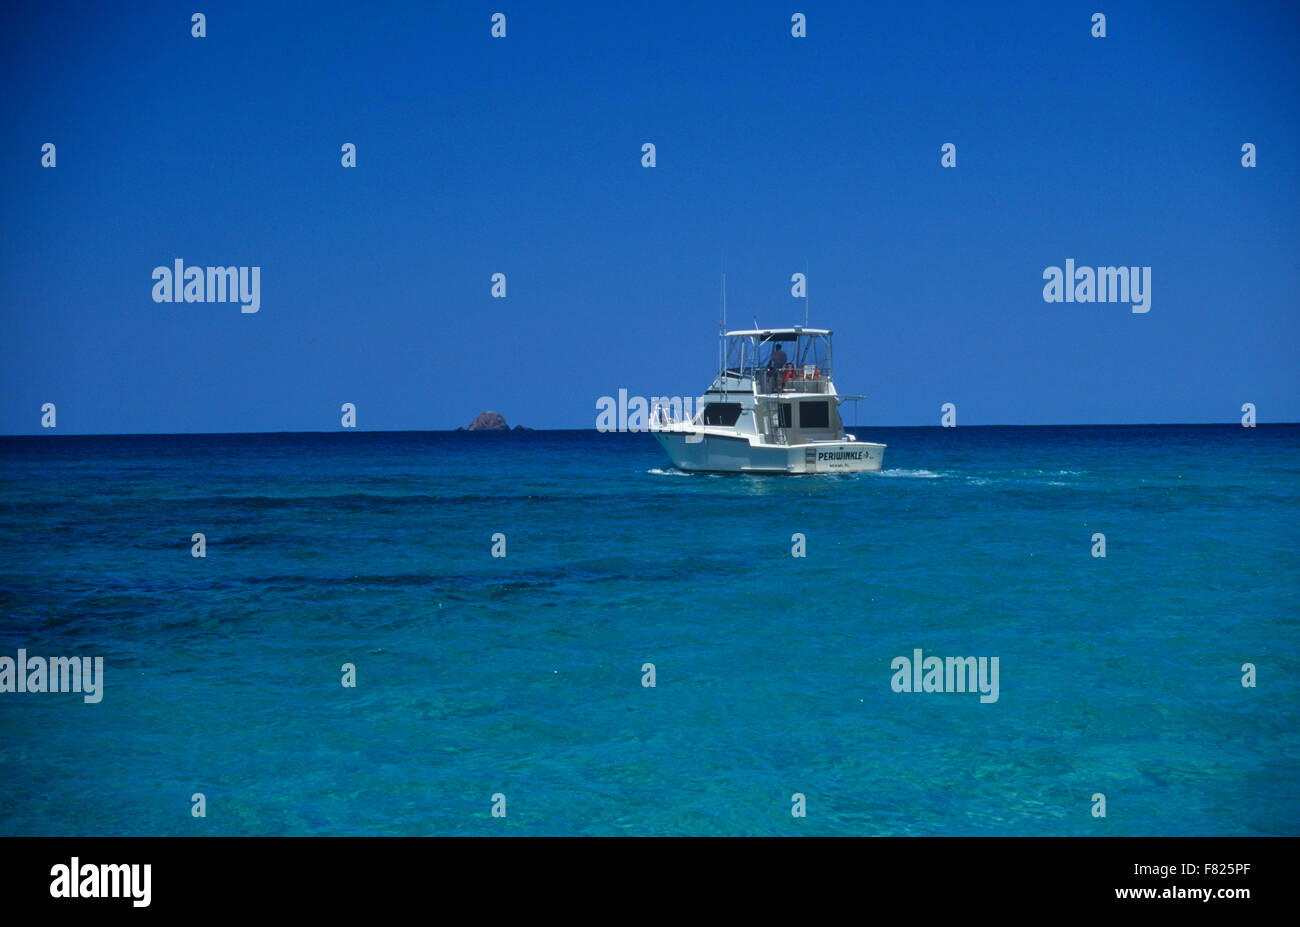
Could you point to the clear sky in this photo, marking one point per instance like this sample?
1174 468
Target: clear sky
523 155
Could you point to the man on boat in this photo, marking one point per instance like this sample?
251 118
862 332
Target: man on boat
775 364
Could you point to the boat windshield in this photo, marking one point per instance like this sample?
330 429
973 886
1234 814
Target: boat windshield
804 352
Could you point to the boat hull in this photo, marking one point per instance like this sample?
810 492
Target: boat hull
724 453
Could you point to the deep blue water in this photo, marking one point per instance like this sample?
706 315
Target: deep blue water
522 675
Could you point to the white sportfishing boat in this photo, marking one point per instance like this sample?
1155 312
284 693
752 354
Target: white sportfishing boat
769 410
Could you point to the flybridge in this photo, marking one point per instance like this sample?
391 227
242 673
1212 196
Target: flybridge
790 349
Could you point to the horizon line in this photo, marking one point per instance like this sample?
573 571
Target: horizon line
47 433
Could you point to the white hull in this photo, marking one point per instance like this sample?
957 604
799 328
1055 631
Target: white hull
721 451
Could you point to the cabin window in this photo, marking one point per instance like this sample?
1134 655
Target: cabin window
815 414
784 417
721 413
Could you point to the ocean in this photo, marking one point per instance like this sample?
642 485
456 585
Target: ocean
520 682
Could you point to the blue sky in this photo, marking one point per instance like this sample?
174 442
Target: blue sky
523 156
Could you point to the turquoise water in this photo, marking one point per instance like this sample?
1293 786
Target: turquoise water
522 675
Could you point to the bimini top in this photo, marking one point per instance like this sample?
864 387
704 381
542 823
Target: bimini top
781 334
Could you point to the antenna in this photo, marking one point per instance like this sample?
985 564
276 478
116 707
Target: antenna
722 328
